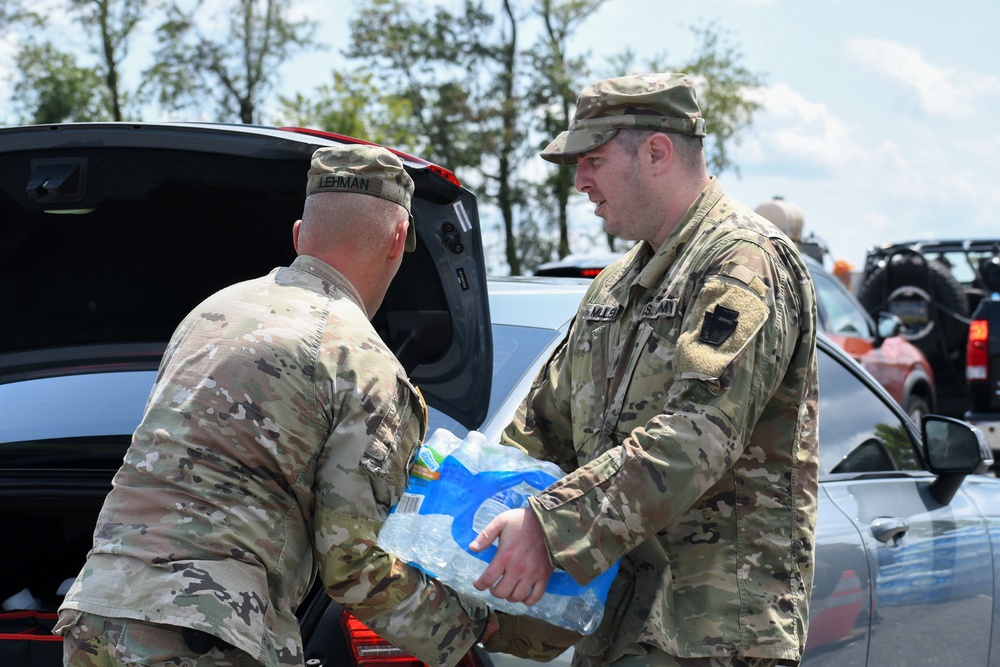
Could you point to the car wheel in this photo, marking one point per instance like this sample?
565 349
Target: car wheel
926 297
916 407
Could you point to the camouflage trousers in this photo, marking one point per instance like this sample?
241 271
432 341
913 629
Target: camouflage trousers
90 640
657 658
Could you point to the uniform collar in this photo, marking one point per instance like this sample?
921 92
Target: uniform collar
324 271
660 263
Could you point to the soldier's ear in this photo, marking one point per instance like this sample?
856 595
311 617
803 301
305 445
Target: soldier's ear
658 150
398 245
295 234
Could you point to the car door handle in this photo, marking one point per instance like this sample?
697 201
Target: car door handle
889 529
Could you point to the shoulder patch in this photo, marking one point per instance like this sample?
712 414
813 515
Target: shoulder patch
731 314
719 325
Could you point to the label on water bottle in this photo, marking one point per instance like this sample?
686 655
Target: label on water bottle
409 504
427 464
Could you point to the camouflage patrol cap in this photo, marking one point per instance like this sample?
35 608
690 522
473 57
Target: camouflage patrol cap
663 101
370 170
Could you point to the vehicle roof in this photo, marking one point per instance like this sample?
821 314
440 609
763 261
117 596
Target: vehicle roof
529 301
944 245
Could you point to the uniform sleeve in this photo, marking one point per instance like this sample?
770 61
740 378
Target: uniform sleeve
361 474
726 362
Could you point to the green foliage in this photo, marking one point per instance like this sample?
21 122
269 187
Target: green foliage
53 88
234 69
724 86
435 60
112 23
13 14
354 105
459 71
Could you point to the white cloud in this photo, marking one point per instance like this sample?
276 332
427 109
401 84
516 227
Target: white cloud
940 91
797 133
861 183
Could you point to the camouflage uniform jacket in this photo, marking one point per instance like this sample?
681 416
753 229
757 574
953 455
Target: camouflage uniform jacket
278 434
683 405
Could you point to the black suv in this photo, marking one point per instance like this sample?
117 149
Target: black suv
947 296
109 235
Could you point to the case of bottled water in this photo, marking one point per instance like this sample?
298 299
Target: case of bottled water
456 487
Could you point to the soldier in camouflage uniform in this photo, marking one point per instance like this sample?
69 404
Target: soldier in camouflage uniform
682 405
278 434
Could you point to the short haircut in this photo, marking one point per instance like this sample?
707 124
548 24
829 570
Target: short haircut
339 217
690 149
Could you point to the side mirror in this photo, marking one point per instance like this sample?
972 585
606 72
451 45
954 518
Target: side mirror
889 325
953 450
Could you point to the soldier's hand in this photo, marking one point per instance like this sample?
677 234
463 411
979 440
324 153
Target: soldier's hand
527 637
521 568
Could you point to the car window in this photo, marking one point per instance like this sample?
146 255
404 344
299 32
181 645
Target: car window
840 314
858 431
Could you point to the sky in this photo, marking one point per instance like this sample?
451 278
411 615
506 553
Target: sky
879 117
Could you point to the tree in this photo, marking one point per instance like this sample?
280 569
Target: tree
355 105
723 84
434 62
51 85
459 71
560 80
114 21
484 106
236 68
13 13
505 148
53 88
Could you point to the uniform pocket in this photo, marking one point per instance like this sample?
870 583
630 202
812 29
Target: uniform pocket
597 349
396 437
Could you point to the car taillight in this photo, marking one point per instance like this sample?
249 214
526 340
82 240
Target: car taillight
370 650
977 354
446 174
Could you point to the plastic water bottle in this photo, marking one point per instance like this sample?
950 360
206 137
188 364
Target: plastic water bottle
23 599
457 486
